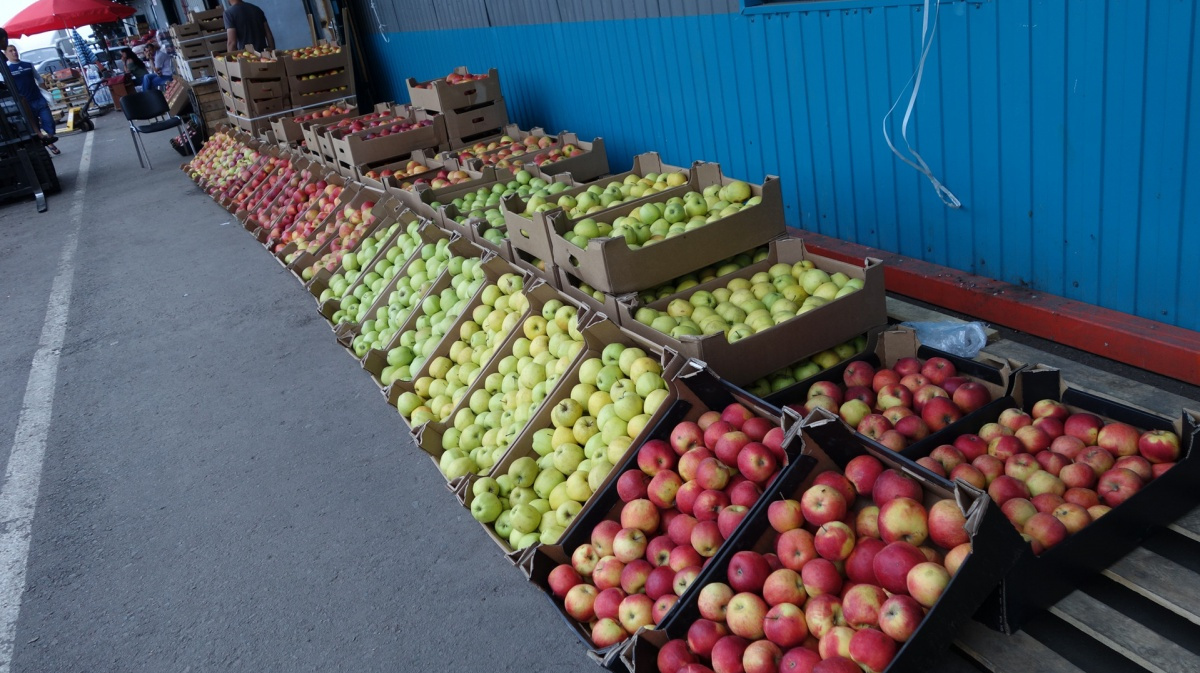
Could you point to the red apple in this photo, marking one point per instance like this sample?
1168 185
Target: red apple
821 504
925 393
871 649
785 625
939 413
607 632
1050 409
891 484
1084 497
629 544
821 576
1067 446
674 655
858 373
785 515
1083 426
744 493
745 615
748 571
913 428
690 462
684 579
1014 419
707 538
756 462
828 389
727 654
795 548
562 579
1033 439
866 522
947 524
756 428
834 540
884 377
990 431
1045 530
1072 516
932 465
800 660
715 431
970 474
914 382
663 488
656 455
972 446
1137 465
1118 439
713 600
1005 447
1021 466
1046 502
635 574
773 440
892 440
640 514
1005 488
906 366
971 396
708 505
703 634
892 564
608 603
729 445
1098 459
580 602
900 617
862 471
1051 426
603 535
948 457
762 656
736 414
860 565
1018 511
927 582
783 586
1118 485
632 485
938 369
903 519
861 393
894 395
1159 446
658 550
1052 462
822 613
708 418
862 604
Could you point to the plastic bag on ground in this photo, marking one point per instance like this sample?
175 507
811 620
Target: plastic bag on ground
964 339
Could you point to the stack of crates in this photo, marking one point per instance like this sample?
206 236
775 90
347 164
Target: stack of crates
473 105
197 42
254 88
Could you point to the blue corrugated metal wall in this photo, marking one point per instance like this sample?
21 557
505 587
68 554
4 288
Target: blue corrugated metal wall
1063 125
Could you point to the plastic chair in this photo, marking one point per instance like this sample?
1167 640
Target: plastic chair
150 106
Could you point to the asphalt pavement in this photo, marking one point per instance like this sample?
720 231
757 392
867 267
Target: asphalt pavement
223 488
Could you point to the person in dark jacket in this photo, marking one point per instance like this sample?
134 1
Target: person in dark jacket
246 25
25 79
134 66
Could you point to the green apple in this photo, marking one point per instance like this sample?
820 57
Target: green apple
485 507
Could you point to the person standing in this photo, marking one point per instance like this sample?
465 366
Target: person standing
24 78
246 24
164 66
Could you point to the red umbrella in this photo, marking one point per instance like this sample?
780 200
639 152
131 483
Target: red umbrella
44 16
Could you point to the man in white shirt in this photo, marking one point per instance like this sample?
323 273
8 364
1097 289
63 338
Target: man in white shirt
164 66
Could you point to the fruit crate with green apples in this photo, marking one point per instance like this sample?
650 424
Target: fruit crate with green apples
463 207
507 393
717 447
878 563
379 258
426 318
354 148
905 396
460 89
1031 457
380 222
479 121
526 216
497 285
324 224
591 439
584 294
439 392
745 351
639 245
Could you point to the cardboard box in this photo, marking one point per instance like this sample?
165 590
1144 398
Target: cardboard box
511 131
765 352
206 14
254 89
1037 582
316 89
376 359
570 286
399 215
532 230
272 243
196 69
898 342
297 67
699 390
318 127
429 234
354 148
305 173
422 195
253 109
260 172
597 335
438 95
995 547
184 31
194 49
609 264
244 68
476 122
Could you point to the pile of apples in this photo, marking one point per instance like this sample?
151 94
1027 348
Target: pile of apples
301 227
401 127
406 297
249 56
449 377
856 564
594 198
442 179
484 203
254 181
203 164
1054 472
318 75
374 278
621 390
343 232
747 306
314 51
346 241
499 410
810 366
301 191
339 108
266 190
687 281
326 92
453 78
225 164
900 405
503 148
686 497
655 222
363 122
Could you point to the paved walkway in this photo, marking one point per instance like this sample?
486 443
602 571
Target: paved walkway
222 488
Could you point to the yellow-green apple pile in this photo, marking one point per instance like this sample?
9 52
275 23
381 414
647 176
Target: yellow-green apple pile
657 221
484 203
435 395
499 410
344 232
687 281
901 404
1054 471
437 315
351 261
687 495
858 561
590 431
352 307
747 306
377 332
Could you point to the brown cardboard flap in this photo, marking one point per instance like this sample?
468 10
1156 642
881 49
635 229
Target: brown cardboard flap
438 95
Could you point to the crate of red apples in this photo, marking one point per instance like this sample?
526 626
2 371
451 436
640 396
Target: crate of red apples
626 561
853 561
460 89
